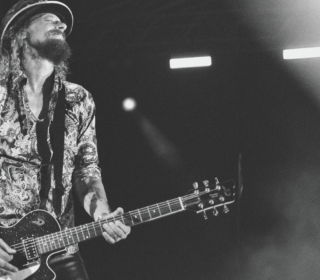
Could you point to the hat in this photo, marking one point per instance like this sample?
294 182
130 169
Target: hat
25 9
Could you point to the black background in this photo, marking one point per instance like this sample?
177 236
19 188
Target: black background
247 102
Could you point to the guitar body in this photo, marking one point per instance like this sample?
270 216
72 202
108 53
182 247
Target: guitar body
34 266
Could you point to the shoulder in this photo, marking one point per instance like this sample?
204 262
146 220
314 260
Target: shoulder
76 93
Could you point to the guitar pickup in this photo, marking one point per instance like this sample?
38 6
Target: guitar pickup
29 248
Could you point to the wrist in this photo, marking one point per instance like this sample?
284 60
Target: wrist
103 216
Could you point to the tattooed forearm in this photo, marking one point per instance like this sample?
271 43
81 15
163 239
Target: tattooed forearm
91 201
93 197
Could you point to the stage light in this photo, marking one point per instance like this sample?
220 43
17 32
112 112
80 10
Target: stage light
301 53
129 104
188 62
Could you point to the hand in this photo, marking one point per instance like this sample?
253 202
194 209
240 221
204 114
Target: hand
115 231
6 255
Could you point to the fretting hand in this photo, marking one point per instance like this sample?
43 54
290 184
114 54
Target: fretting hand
114 231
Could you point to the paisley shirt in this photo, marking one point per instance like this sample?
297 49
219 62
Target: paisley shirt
19 158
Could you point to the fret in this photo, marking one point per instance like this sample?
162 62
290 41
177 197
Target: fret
88 235
101 228
47 244
150 217
39 245
80 230
94 229
52 242
58 240
64 235
127 219
136 219
154 211
176 205
77 236
164 209
70 237
122 219
97 227
144 214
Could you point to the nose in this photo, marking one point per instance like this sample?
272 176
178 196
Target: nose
61 26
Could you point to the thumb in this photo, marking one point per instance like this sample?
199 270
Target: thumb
118 211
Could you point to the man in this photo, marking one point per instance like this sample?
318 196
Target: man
33 65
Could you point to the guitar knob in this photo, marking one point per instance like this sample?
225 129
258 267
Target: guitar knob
206 183
221 198
225 209
195 185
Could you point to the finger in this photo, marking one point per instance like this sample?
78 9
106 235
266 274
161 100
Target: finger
108 238
5 256
118 211
7 267
124 228
109 234
6 247
120 229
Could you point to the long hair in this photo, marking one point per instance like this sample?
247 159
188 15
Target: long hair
12 52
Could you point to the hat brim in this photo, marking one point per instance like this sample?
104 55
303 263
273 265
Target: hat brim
55 7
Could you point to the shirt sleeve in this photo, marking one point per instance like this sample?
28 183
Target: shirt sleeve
86 160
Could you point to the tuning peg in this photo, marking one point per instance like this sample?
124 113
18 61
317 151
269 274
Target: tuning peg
195 185
205 215
200 205
215 212
206 183
218 187
225 209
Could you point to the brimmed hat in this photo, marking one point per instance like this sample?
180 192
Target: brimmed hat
25 9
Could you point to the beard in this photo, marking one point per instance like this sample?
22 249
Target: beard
54 50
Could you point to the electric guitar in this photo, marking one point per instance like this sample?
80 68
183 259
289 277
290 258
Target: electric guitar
38 236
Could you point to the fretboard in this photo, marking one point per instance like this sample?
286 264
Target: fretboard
58 240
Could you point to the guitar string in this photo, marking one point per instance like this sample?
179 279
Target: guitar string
140 212
91 228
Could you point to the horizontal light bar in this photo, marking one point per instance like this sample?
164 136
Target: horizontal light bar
301 53
188 62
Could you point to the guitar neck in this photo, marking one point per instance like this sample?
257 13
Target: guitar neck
58 240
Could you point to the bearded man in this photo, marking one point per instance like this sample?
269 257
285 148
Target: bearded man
38 110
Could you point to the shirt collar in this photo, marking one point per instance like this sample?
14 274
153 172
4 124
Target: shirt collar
20 77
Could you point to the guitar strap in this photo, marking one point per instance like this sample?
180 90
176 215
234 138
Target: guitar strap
57 141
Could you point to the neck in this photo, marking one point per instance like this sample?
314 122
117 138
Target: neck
37 71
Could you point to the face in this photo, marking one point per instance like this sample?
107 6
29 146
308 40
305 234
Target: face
48 26
46 36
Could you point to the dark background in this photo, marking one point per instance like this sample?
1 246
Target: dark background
249 102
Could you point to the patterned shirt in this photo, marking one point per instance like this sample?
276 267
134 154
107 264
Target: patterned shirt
20 161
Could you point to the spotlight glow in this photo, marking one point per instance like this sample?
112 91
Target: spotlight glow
301 53
129 104
188 62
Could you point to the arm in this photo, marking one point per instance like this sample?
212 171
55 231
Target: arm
92 196
87 177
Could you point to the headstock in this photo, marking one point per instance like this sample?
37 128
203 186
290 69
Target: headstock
210 197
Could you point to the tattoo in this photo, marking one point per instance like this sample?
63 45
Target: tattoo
90 201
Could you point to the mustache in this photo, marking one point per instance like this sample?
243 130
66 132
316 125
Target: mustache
57 32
